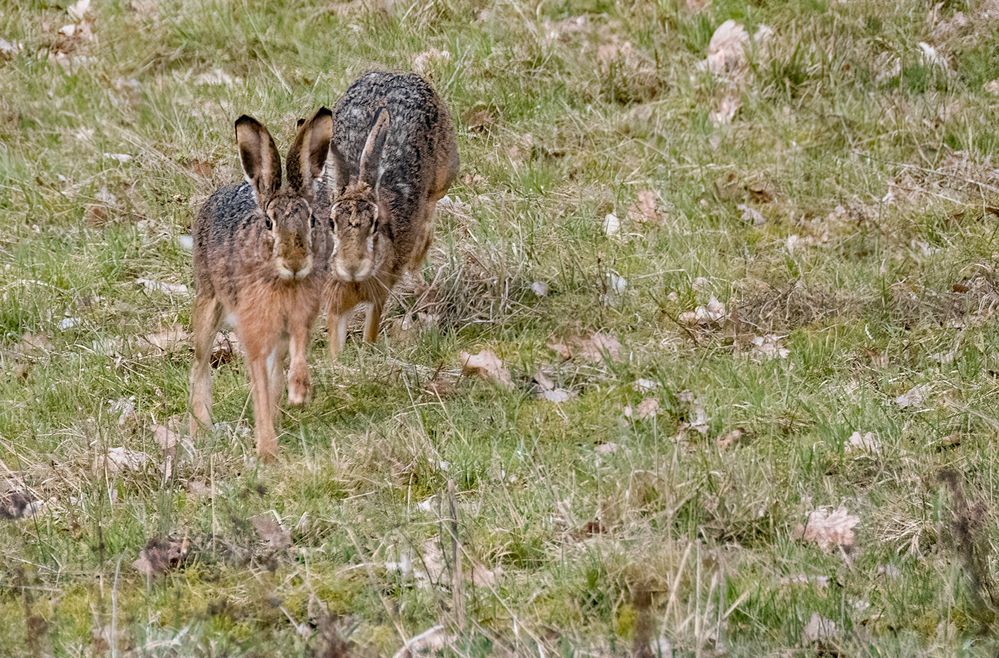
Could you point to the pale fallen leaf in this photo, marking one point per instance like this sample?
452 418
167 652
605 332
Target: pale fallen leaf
540 288
914 397
931 56
68 323
711 313
828 528
118 157
121 459
547 390
751 215
216 78
727 49
78 9
818 630
270 530
727 108
431 641
424 62
487 366
616 283
185 242
162 554
612 225
152 285
608 448
769 347
10 48
867 442
644 385
990 87
124 408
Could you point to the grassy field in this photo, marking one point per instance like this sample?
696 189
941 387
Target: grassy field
744 302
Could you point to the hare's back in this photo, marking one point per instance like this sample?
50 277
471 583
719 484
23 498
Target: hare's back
418 120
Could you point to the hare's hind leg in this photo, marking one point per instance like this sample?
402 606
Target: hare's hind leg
207 317
276 362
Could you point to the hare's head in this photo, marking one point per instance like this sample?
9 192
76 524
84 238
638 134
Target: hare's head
287 208
357 214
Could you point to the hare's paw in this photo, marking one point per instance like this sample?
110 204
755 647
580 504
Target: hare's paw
299 387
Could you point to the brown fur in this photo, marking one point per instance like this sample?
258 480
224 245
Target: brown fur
260 260
394 156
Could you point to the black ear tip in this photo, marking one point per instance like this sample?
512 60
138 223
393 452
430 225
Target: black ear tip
298 124
324 112
245 120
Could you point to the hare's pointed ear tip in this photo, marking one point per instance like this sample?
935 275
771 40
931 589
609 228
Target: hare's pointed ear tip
298 124
324 112
246 120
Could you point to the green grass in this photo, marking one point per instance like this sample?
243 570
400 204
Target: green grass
593 552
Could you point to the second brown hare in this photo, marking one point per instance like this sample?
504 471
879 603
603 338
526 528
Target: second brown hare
260 259
394 156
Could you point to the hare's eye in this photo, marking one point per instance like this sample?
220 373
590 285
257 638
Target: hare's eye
312 221
268 224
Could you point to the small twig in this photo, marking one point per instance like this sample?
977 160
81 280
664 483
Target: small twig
457 589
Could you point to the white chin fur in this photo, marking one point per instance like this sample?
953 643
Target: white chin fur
284 273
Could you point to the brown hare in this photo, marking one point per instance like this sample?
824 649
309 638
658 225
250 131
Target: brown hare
260 262
394 156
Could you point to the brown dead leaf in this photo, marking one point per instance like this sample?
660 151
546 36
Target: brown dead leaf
647 408
479 119
224 349
271 531
487 366
483 577
829 529
162 554
731 438
201 168
595 348
166 340
645 208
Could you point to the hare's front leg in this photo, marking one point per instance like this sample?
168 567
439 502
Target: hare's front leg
263 404
299 383
206 319
373 319
336 329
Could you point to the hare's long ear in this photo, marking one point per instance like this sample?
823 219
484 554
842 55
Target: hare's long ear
341 174
307 155
259 155
372 153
